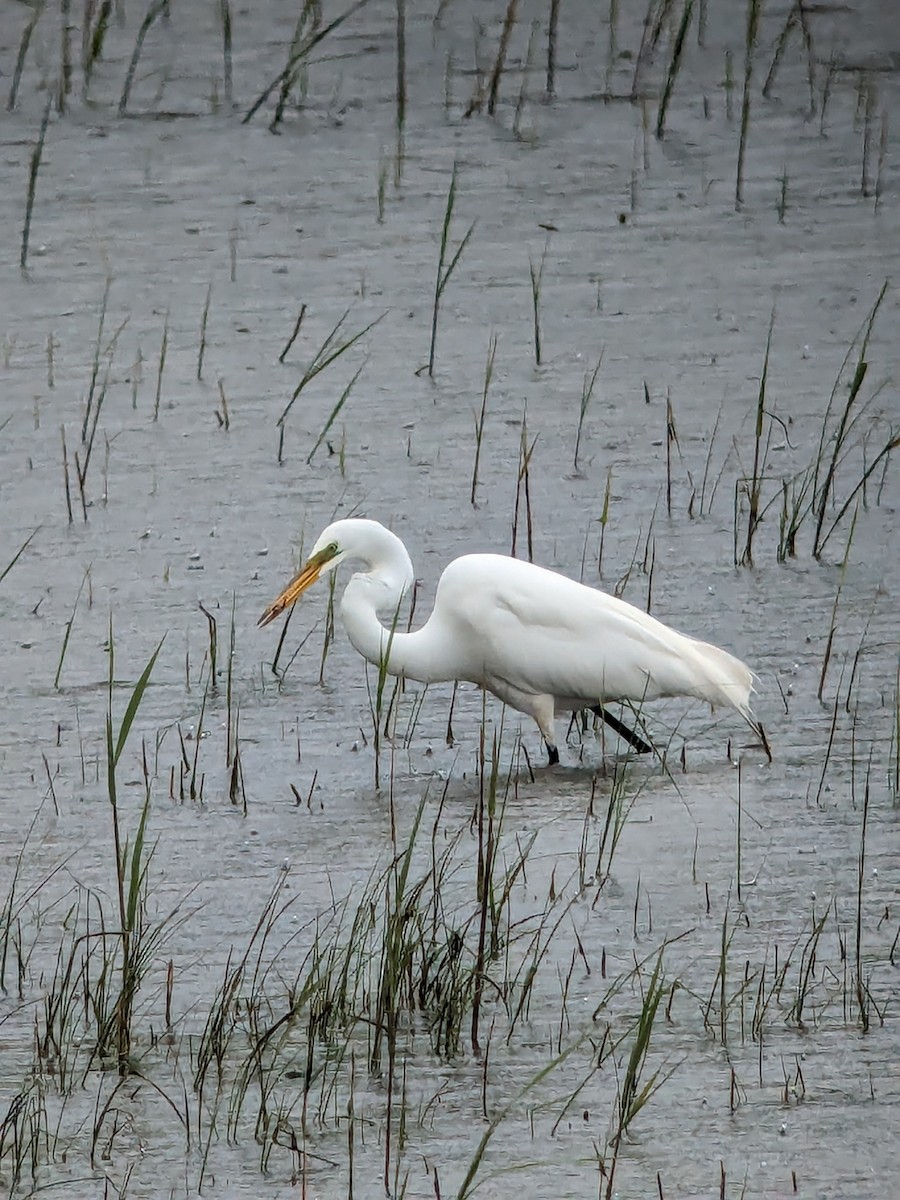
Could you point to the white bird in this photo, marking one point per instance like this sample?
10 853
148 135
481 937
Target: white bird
535 639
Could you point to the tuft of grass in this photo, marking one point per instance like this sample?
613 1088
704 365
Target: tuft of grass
131 861
329 351
634 1090
308 33
821 493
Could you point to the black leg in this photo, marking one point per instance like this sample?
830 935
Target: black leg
761 734
637 743
552 755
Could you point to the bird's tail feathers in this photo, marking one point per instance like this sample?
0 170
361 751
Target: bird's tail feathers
727 679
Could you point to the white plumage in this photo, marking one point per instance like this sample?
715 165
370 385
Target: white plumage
537 640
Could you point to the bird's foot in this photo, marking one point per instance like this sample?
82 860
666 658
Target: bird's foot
552 756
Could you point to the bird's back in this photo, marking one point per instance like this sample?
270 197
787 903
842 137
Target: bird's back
543 633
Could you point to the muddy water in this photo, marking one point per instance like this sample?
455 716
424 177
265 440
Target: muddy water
645 262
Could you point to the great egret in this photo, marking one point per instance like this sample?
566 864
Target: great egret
538 640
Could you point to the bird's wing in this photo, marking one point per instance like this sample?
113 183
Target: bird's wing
544 634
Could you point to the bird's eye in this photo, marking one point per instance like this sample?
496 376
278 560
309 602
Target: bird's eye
332 549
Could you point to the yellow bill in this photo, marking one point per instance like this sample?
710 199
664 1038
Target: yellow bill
298 585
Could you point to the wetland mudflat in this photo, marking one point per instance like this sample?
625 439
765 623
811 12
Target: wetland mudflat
229 960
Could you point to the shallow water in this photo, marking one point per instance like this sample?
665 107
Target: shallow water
648 263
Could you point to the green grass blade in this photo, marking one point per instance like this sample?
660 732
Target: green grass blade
135 701
333 414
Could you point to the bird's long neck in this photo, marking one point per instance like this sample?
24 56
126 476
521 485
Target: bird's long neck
370 608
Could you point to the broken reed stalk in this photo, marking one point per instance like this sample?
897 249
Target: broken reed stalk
401 93
223 416
34 166
203 323
753 11
213 649
612 45
537 278
21 56
552 28
65 459
444 273
18 554
225 14
154 11
509 21
870 93
882 157
64 84
293 337
163 349
674 67
92 44
526 74
781 204
479 419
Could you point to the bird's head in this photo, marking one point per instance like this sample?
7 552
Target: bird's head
329 550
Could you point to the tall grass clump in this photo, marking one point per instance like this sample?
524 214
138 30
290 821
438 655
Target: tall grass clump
131 860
